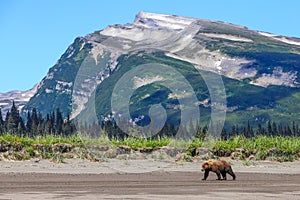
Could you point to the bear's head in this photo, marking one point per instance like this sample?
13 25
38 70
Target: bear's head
207 165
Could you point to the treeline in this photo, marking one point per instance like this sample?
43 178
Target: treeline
271 129
35 124
54 123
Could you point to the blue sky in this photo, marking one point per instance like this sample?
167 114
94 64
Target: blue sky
35 33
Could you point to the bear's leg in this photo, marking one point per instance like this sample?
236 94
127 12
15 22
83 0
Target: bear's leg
205 174
218 174
224 175
231 173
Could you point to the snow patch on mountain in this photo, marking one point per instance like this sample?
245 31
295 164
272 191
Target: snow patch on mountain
227 37
135 33
287 40
280 38
65 84
63 87
155 21
48 91
217 63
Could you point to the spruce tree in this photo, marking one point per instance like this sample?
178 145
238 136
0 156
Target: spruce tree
6 120
260 130
274 129
35 122
1 119
172 129
20 129
67 128
59 121
224 135
48 125
1 123
233 131
164 131
28 123
289 131
270 133
294 129
11 125
13 119
52 122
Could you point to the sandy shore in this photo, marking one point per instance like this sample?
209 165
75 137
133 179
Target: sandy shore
145 179
77 166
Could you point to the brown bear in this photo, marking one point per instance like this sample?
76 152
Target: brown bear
220 167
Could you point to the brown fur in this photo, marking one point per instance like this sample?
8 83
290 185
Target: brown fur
220 167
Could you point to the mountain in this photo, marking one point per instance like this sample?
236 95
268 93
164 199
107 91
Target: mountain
215 67
21 98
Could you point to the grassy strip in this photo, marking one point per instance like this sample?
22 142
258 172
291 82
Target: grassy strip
262 147
156 143
43 140
277 148
261 143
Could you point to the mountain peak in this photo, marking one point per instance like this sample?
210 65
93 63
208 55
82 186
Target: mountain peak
152 20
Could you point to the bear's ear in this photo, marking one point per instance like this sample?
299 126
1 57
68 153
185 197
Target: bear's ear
210 161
